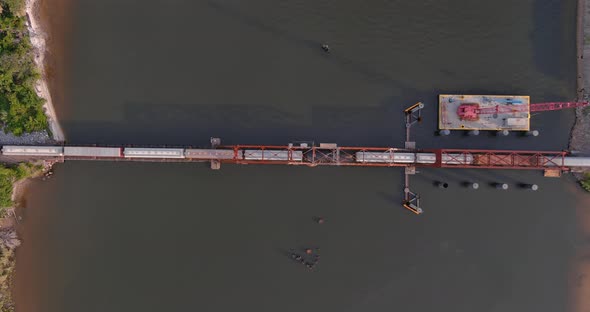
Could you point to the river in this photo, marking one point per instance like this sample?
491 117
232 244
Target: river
178 237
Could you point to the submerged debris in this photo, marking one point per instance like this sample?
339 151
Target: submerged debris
9 238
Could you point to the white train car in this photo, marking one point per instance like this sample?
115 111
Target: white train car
457 159
216 154
570 161
91 151
278 155
12 150
387 157
404 158
374 157
411 158
425 158
146 152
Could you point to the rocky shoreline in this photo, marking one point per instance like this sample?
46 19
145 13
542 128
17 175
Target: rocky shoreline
9 219
34 138
580 135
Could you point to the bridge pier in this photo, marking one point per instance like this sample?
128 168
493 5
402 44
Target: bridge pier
215 164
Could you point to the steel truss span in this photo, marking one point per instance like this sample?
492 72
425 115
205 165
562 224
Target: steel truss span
502 159
322 155
395 157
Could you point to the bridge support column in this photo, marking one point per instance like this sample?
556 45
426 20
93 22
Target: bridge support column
532 187
501 186
442 185
411 200
503 133
471 185
215 164
215 142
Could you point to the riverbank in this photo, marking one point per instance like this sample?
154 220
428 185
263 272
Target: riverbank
13 184
38 41
580 142
580 136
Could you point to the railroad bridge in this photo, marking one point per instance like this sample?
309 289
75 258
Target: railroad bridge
553 163
325 154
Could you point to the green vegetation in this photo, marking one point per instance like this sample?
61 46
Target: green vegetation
9 175
14 5
21 109
8 237
586 181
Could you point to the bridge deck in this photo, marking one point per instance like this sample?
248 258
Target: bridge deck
315 156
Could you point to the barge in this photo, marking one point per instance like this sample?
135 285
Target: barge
484 112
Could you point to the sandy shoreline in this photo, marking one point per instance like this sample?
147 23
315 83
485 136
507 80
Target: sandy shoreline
9 226
19 189
38 40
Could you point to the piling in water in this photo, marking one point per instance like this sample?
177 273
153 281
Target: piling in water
503 133
471 185
473 133
533 133
501 186
532 187
442 185
444 132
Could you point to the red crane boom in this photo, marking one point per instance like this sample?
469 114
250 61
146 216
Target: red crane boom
541 107
470 111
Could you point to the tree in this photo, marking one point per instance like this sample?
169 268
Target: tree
21 109
17 7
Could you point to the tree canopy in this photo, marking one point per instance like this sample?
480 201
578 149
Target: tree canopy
21 109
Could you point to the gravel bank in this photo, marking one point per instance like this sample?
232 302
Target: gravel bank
35 138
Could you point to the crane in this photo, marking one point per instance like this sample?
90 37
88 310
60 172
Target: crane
471 111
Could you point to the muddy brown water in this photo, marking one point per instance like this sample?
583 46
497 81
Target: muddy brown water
176 237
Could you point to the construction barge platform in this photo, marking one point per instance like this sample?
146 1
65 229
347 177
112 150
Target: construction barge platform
484 112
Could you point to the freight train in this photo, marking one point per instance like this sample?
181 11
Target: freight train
280 156
287 155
